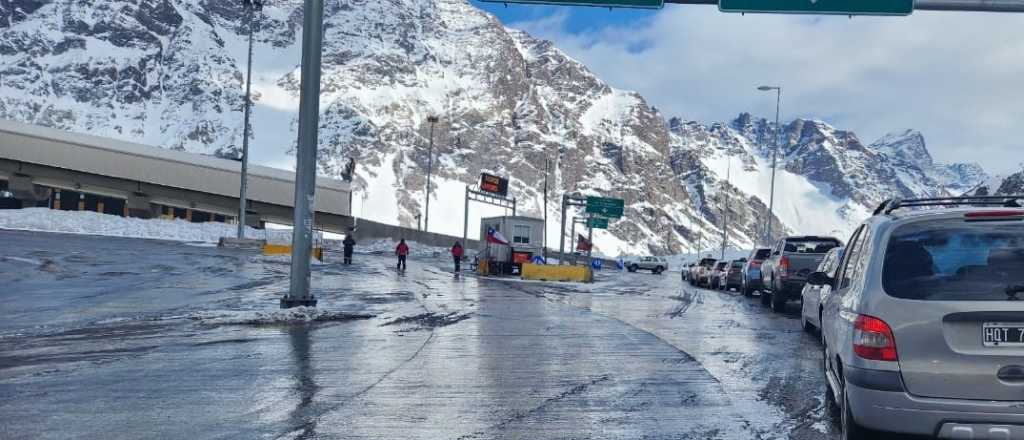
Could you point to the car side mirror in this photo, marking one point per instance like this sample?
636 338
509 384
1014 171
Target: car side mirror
819 279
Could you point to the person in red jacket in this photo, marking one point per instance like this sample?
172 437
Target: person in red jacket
457 253
402 251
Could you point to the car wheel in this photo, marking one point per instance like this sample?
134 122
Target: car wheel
634 268
808 327
658 270
766 298
850 430
778 303
830 396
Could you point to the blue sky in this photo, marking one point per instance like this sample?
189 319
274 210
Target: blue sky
954 76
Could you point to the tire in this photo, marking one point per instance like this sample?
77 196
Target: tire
849 429
747 291
766 298
633 268
778 303
831 407
658 270
808 327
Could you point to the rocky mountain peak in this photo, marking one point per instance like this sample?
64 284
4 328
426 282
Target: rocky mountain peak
906 146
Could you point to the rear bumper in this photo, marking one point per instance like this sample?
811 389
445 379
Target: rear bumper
897 411
792 289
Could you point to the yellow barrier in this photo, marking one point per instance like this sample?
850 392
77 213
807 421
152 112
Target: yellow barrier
557 273
284 249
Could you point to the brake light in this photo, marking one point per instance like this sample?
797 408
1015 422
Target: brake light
873 339
784 266
755 263
995 215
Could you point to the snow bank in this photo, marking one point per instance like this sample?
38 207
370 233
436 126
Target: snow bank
92 223
297 315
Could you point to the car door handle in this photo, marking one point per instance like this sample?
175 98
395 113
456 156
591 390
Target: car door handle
1011 373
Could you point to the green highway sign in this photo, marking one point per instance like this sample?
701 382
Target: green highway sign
840 7
597 223
605 207
645 4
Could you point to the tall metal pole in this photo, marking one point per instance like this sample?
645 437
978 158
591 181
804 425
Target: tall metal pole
775 153
561 233
544 239
465 220
725 207
305 173
244 184
430 165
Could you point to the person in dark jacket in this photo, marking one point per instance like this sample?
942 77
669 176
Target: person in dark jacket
457 253
350 245
402 250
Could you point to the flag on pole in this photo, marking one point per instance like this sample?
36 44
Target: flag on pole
582 244
493 236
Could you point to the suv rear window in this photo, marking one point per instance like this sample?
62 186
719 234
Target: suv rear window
809 245
763 254
950 260
708 262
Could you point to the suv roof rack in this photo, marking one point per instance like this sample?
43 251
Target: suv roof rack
890 205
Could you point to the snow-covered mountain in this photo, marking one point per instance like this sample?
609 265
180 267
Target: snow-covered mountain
170 73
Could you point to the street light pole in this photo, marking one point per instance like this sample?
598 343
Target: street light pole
251 8
305 170
544 239
775 152
430 165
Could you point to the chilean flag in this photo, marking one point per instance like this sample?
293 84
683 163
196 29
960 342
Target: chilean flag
493 236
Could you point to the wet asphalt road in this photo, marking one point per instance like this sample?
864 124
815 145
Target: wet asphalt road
122 338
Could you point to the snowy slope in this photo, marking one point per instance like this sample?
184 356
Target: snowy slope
171 73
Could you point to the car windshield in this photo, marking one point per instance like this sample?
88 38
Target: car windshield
955 260
810 245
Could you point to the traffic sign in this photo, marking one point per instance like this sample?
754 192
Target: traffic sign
644 4
840 7
605 207
597 223
494 184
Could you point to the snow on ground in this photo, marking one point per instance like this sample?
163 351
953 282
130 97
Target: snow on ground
93 223
271 317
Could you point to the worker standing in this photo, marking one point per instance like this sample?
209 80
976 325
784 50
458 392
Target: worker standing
457 253
402 250
349 246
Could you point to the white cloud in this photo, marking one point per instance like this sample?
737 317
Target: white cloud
957 77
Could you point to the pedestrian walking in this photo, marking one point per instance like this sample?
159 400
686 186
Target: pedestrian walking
457 253
402 250
350 244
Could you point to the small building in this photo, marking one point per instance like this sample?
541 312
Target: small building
525 237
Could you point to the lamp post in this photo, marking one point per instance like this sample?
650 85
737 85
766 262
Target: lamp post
775 152
430 165
251 7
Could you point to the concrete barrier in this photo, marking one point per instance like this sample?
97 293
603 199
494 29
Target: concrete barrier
285 249
557 273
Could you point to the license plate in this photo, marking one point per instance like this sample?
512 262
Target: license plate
1000 334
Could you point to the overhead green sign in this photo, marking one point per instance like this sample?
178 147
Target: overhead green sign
645 4
605 207
597 223
840 7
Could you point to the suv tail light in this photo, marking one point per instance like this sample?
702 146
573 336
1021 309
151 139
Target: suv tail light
755 263
784 266
873 339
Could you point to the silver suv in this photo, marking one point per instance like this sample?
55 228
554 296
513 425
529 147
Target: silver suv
654 264
924 330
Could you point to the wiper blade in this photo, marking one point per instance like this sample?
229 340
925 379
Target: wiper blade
1013 290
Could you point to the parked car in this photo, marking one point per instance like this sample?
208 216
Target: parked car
924 330
813 295
732 277
701 271
785 272
714 276
752 271
656 265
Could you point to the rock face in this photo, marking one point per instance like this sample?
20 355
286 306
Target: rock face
171 73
